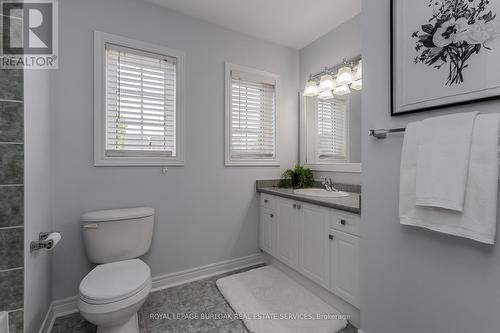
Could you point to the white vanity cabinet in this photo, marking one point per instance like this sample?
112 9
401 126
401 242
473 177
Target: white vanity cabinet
313 246
287 232
344 266
318 242
267 230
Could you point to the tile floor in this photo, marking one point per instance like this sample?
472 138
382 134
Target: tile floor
197 298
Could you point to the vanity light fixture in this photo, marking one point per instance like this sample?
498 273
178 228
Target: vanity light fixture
357 85
311 88
325 94
336 80
326 82
344 75
359 70
341 90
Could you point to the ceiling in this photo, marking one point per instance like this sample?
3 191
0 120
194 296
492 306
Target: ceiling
293 23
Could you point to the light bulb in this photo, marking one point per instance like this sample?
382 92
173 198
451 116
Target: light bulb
326 82
325 94
311 88
344 76
357 85
341 90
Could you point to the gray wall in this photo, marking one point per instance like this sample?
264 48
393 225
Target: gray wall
342 42
11 197
37 196
412 280
206 212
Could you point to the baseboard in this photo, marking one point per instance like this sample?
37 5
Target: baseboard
193 274
65 306
48 321
58 308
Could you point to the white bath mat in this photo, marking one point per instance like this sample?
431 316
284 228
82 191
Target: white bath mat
268 301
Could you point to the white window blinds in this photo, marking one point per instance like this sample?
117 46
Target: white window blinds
332 133
140 103
252 116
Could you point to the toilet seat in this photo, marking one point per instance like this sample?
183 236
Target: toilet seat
116 281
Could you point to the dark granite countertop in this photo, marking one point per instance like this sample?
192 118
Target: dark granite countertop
351 203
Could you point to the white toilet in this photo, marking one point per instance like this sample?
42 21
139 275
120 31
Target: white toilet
112 293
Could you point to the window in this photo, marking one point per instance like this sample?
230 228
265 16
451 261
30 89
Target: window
251 117
138 115
329 130
332 130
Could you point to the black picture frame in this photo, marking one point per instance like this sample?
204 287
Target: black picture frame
392 79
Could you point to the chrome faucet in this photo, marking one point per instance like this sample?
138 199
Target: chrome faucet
328 184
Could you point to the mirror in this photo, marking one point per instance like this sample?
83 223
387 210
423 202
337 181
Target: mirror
330 133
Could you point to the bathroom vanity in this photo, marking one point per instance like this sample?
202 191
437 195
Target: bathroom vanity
317 237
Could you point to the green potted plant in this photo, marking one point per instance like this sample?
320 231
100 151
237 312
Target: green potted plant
298 177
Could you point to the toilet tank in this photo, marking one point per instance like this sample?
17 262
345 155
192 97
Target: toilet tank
117 234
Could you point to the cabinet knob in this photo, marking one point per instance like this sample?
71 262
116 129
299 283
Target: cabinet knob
343 222
330 237
266 201
294 205
271 215
299 206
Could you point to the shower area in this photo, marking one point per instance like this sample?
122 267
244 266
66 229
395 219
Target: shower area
25 195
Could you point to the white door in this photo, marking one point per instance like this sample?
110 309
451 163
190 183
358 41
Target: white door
313 257
287 232
267 230
344 266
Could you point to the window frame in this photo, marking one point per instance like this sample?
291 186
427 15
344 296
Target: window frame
228 160
100 157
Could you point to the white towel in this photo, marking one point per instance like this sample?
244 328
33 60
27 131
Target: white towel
478 219
443 160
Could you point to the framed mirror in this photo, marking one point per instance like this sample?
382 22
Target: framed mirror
330 133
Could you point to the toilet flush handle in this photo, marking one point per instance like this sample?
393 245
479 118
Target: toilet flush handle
90 226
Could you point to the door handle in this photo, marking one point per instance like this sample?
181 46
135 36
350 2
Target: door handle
299 206
271 215
294 205
343 222
266 201
330 237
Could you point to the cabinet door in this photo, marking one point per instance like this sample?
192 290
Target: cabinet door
287 232
267 230
313 258
344 266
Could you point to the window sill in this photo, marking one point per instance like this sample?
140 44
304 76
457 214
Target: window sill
252 163
110 162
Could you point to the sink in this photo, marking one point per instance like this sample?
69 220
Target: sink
319 192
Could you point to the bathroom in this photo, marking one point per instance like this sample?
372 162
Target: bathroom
214 222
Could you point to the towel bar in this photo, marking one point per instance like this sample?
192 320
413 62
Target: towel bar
382 133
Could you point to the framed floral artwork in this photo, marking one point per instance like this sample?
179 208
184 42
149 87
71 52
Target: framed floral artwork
444 53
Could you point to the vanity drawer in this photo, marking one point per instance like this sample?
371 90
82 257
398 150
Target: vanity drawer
267 201
345 222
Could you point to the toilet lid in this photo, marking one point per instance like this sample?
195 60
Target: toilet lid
115 281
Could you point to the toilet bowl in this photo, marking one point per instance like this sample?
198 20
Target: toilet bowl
111 294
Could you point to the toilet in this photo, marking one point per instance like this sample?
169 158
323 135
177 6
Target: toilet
112 293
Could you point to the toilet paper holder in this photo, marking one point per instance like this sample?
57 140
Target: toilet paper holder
42 242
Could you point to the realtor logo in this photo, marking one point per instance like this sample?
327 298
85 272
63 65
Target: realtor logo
29 34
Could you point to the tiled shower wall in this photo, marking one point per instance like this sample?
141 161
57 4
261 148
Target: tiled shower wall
11 197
